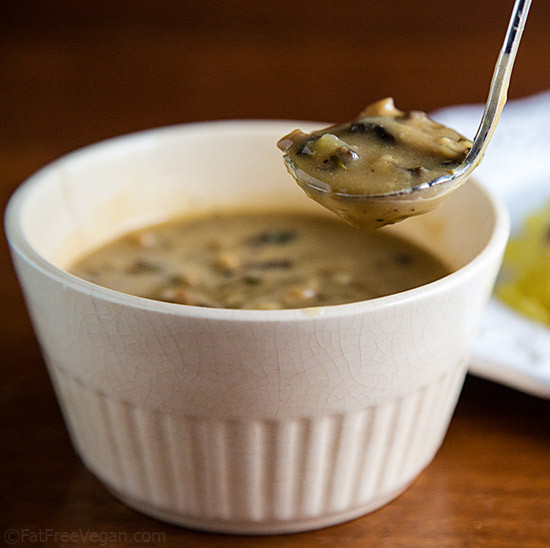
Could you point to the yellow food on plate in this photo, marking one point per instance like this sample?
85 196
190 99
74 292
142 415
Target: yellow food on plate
525 283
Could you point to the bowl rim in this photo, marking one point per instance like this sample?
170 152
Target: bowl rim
21 246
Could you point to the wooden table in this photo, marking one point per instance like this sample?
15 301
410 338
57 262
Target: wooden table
72 73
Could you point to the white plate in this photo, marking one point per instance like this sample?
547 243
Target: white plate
511 349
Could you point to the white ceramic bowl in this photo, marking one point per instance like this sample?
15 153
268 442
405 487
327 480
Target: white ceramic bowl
236 420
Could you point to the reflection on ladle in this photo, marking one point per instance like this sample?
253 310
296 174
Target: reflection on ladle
389 165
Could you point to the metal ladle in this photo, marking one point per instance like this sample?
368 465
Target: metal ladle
373 211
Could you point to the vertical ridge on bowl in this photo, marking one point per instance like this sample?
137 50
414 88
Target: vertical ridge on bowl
182 459
285 486
237 475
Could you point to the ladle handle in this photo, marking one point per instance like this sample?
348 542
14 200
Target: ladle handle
498 92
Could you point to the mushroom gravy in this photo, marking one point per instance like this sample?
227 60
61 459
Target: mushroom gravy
259 261
385 151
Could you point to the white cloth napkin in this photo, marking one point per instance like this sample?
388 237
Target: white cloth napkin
520 148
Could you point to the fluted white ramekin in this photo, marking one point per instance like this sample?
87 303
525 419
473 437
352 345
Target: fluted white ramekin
236 420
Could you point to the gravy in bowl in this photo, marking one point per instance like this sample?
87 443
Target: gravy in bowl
262 261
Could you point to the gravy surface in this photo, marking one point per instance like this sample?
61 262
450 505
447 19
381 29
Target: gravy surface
384 150
259 261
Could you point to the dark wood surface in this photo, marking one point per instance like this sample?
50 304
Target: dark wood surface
72 73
